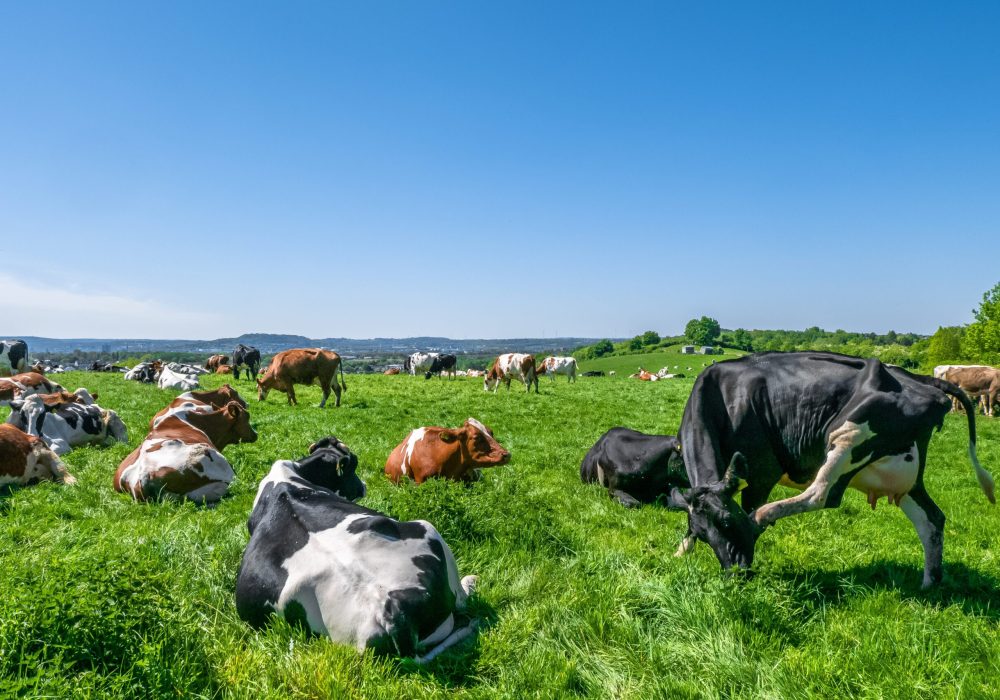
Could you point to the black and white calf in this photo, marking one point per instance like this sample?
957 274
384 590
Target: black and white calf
66 425
819 422
345 571
13 357
635 467
246 358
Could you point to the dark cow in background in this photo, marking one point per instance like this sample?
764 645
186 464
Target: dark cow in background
635 467
303 366
815 421
245 358
442 363
450 453
13 357
343 570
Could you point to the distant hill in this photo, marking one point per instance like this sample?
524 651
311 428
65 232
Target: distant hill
270 343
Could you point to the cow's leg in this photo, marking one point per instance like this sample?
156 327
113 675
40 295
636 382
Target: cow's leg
325 386
928 520
838 460
291 395
336 392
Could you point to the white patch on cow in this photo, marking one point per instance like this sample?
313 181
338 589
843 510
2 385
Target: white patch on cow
282 472
411 442
926 531
601 478
479 426
199 458
169 379
182 411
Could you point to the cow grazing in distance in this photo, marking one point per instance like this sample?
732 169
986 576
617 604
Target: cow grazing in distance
420 363
440 364
246 358
21 386
338 569
635 467
25 459
13 357
63 421
509 366
303 366
982 383
181 457
169 379
212 363
818 422
553 365
449 453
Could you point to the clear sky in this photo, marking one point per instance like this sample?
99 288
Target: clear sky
499 169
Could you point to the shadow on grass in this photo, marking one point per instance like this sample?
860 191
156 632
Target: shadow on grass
975 592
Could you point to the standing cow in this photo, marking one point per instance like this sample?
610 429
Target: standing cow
13 357
303 366
815 421
509 366
440 364
553 365
246 358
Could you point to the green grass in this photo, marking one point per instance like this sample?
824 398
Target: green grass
103 597
624 365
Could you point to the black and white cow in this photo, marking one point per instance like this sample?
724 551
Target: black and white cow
343 570
248 358
819 422
66 424
442 363
13 357
635 467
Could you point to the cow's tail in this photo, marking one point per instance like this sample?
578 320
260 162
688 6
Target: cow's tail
984 477
451 640
343 384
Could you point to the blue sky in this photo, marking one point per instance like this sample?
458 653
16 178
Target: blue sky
495 170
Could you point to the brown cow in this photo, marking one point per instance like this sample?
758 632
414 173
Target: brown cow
302 366
224 369
978 382
24 385
215 360
644 376
508 366
451 453
391 371
181 457
201 401
25 458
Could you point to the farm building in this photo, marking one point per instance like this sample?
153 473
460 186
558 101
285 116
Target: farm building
687 350
707 350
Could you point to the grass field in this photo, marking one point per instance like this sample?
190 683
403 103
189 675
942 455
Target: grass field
103 597
625 365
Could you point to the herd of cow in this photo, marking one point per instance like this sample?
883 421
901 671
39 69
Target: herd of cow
818 422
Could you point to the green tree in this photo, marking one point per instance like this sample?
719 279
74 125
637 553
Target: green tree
702 331
945 345
635 343
742 340
982 338
650 338
602 348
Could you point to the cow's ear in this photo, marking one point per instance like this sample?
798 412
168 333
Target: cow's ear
447 436
677 500
735 478
233 409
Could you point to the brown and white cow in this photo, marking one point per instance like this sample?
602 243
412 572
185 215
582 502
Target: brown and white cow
215 361
979 382
25 458
200 402
553 365
182 456
449 453
507 367
644 376
303 366
23 385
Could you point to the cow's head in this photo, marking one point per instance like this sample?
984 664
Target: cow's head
474 447
235 427
715 517
264 385
332 465
491 378
116 426
28 414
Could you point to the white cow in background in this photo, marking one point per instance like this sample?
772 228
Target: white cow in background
169 379
553 365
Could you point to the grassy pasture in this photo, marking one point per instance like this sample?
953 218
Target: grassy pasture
103 597
625 365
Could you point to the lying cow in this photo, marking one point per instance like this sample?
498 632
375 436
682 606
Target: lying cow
345 571
170 379
63 421
181 457
212 363
13 357
224 369
450 453
815 421
634 467
302 366
246 358
593 373
185 368
200 402
25 458
21 386
644 376
553 365
391 371
509 366
146 372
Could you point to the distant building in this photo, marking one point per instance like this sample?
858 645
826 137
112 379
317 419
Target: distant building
707 350
687 350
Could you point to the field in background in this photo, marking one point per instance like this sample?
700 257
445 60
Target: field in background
625 365
579 596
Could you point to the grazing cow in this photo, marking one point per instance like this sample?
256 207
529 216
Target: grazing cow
981 383
509 366
634 467
63 421
199 401
21 386
420 362
593 373
558 365
182 456
25 458
442 363
303 366
450 453
612 373
248 358
146 372
212 363
169 379
13 357
345 571
815 421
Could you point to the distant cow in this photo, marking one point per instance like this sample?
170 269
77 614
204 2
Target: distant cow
442 363
644 376
420 363
450 453
224 369
169 379
25 459
212 363
345 571
391 371
303 366
21 386
509 366
635 467
553 365
246 358
979 382
593 373
63 421
13 357
146 372
182 456
815 421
